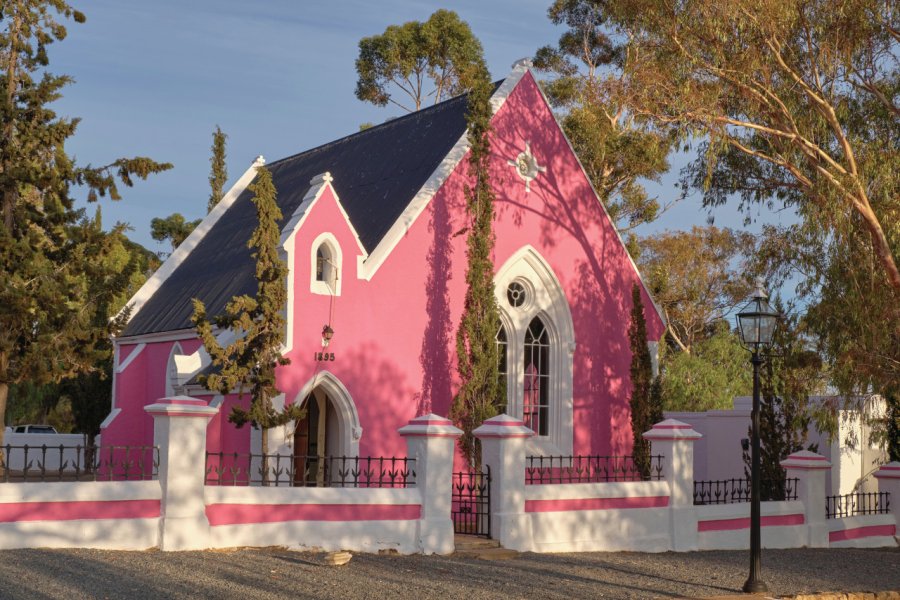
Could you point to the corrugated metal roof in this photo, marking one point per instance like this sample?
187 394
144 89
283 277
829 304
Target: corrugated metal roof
376 174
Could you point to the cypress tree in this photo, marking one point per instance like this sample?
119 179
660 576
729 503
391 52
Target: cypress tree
481 393
250 361
645 405
218 173
46 305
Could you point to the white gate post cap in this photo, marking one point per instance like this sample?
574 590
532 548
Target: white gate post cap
182 406
806 460
503 426
430 425
889 471
672 429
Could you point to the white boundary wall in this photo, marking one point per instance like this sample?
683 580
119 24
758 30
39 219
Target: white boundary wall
358 519
121 515
580 517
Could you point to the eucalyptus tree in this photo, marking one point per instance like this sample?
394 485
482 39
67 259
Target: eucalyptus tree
619 148
419 60
46 304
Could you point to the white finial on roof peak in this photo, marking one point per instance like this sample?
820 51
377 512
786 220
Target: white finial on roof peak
522 63
321 178
259 161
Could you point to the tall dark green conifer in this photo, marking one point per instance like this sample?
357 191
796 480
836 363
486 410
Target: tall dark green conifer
46 309
645 404
250 361
481 393
218 173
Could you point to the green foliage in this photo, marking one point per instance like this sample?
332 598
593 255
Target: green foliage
645 396
47 301
173 228
797 103
710 376
695 277
218 173
892 426
481 394
251 360
406 57
618 148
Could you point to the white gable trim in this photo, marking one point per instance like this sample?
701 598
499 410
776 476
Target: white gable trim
605 212
128 359
434 183
181 253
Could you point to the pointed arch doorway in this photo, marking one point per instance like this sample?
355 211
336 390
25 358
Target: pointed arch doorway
328 428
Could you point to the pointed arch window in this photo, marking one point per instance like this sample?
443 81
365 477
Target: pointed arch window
325 272
536 368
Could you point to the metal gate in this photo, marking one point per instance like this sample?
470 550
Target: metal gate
471 502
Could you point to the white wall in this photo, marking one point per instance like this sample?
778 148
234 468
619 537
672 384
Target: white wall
43 514
718 455
606 529
344 528
734 523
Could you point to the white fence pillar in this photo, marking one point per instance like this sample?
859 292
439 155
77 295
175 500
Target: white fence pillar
503 450
889 481
179 429
809 469
674 440
430 440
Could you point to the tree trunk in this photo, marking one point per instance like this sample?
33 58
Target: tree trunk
264 442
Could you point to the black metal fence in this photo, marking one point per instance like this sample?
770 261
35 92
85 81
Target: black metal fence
78 463
286 470
733 491
588 469
470 506
849 505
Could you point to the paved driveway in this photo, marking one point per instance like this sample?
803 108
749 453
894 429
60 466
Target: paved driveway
278 573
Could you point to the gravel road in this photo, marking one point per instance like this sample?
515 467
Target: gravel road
279 573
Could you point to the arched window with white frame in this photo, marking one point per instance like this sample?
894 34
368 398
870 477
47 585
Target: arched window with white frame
536 345
325 267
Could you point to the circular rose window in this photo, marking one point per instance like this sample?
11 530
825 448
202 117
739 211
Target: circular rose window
515 294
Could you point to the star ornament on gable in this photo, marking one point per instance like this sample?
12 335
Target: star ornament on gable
526 166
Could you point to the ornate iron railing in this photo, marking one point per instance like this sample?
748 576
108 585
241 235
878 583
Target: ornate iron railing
849 505
588 469
470 506
78 463
286 470
733 491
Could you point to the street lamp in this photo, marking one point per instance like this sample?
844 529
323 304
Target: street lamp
757 324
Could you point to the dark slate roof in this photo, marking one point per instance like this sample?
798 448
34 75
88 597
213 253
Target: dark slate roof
376 174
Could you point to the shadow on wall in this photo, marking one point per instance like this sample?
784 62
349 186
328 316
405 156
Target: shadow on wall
435 357
383 397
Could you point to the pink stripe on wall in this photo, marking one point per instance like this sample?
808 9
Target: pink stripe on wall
535 506
862 532
240 514
73 511
744 523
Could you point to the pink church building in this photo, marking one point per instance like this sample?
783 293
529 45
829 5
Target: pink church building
374 238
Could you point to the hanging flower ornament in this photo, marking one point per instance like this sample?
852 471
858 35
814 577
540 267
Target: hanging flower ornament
526 166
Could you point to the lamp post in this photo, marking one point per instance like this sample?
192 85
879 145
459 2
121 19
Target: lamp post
757 325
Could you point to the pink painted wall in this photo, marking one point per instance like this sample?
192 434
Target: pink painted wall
394 336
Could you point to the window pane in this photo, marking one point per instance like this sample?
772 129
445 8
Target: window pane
536 405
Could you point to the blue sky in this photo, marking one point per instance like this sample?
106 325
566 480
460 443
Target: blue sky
155 78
